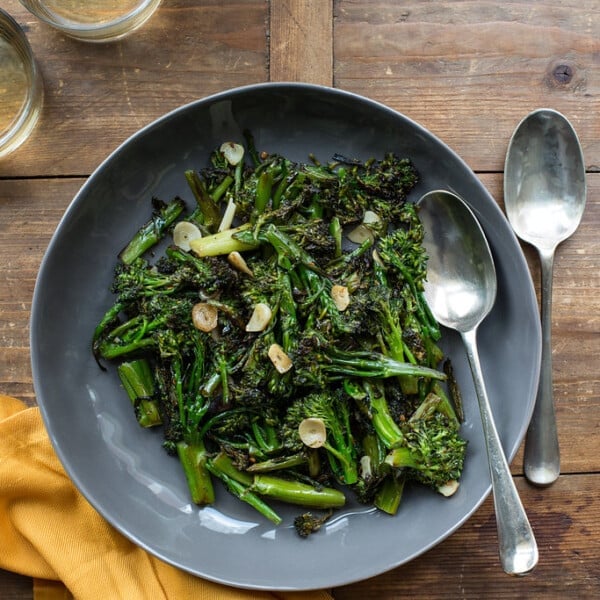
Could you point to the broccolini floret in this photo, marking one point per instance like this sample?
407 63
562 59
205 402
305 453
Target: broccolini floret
339 443
431 450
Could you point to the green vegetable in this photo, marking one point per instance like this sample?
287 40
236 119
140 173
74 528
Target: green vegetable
163 216
430 450
138 381
348 340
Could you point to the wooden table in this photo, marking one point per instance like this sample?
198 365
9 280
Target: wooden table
468 71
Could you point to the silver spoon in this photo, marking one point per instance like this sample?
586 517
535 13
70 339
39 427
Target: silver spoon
544 196
461 290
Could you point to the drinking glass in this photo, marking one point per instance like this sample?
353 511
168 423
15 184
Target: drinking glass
93 20
21 88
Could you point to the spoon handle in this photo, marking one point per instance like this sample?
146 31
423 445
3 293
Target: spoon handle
517 546
542 455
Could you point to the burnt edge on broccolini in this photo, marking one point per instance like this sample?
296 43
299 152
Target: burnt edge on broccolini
348 340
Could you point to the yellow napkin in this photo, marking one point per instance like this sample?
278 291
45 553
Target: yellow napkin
48 531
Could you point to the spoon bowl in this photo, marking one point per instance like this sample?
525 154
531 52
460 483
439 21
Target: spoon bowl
461 290
544 196
461 278
544 185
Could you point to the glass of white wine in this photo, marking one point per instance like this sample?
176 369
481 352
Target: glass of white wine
21 87
93 20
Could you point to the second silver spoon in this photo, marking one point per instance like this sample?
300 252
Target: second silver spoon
544 197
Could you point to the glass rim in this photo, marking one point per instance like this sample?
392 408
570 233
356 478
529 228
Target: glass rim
97 32
26 118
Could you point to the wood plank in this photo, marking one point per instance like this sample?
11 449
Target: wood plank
97 95
15 587
29 213
575 333
301 41
470 70
566 523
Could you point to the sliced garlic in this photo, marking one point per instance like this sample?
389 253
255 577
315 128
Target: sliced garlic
228 216
377 258
366 470
360 234
233 152
448 488
205 316
363 231
370 217
236 260
183 234
281 361
261 316
341 297
312 432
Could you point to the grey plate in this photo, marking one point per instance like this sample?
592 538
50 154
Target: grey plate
123 471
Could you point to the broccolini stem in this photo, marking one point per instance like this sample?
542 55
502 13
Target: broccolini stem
211 384
136 377
281 187
286 247
177 391
425 315
349 472
454 390
211 216
266 437
289 319
218 192
263 192
347 258
222 464
374 450
401 458
373 364
224 242
383 422
371 400
110 350
389 495
396 346
335 228
295 492
279 463
238 176
153 231
292 492
224 379
194 461
242 492
109 317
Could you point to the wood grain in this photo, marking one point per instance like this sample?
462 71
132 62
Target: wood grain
30 210
15 587
466 565
97 95
469 71
301 41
